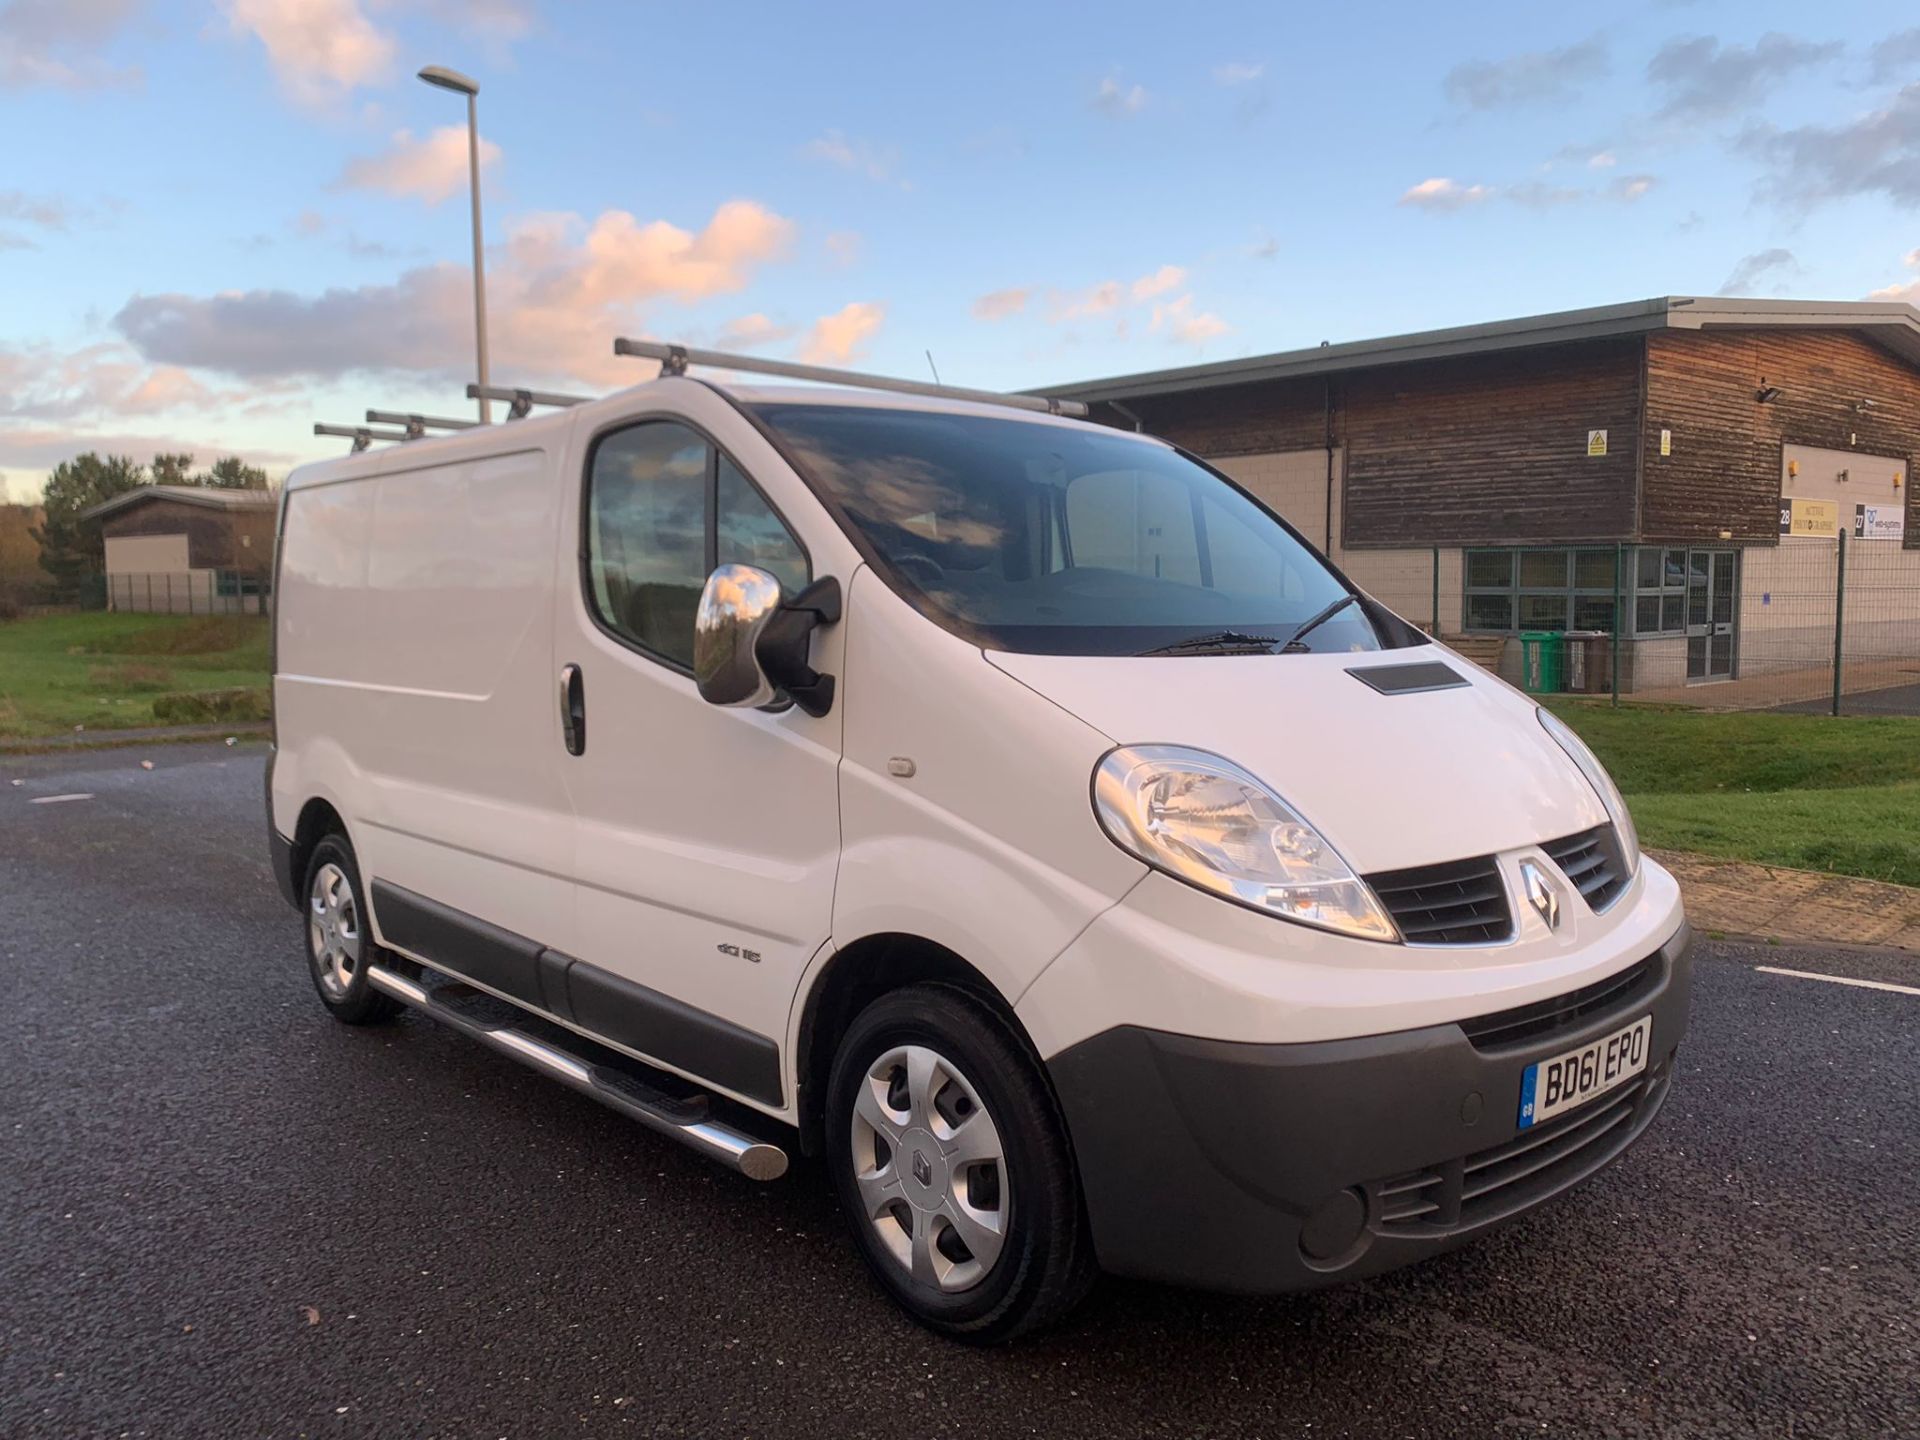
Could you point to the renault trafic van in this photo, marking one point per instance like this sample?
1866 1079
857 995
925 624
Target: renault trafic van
1006 808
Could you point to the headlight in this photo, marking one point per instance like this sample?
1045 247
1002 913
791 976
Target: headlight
1602 783
1206 821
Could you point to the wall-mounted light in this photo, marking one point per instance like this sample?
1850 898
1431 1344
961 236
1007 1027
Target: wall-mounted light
1793 468
1862 407
1768 394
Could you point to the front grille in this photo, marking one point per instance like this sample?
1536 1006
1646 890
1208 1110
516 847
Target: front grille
1593 862
1564 1012
1534 1165
1463 902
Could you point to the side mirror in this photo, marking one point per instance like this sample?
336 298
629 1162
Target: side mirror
750 645
735 607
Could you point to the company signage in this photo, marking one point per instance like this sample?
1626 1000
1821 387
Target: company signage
1810 517
1879 522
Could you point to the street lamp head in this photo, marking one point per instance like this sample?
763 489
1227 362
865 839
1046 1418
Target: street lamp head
450 80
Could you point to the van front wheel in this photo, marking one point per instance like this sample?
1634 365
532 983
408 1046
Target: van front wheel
952 1160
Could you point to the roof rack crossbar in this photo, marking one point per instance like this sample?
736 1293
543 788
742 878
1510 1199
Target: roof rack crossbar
418 425
519 401
361 435
674 360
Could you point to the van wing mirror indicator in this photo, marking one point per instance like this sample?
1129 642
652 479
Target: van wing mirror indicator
750 645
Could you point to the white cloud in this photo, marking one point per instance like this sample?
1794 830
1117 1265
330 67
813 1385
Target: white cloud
842 337
1167 277
1752 270
856 155
1182 324
1703 78
1442 193
1113 97
999 304
54 44
560 292
431 169
1602 160
1238 72
38 449
319 49
1907 292
1530 76
753 332
1631 187
99 383
843 246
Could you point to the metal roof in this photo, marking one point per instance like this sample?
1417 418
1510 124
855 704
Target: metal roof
212 497
1890 323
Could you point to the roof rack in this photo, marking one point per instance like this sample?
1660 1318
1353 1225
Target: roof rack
418 425
674 360
361 435
521 402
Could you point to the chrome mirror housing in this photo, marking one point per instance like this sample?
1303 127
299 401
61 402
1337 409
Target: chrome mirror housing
735 608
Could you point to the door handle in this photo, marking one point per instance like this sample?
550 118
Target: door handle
573 709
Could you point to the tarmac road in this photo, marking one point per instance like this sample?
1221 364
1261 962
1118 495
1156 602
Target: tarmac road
226 1216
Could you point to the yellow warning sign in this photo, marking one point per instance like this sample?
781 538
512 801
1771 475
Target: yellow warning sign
1596 442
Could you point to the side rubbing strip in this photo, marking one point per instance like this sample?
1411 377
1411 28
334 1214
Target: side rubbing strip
498 959
673 1032
1409 679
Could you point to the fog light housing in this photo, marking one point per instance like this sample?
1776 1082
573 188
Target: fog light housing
1334 1228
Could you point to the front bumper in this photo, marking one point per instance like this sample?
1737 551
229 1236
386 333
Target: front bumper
1262 1168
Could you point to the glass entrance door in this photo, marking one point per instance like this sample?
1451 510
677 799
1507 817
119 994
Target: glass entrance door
1712 585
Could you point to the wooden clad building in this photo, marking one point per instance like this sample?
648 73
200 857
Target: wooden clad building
187 549
1532 474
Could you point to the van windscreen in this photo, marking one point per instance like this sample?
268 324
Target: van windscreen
1063 539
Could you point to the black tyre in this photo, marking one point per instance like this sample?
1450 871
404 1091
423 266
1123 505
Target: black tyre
952 1159
340 946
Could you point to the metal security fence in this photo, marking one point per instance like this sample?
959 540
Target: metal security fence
189 592
1816 624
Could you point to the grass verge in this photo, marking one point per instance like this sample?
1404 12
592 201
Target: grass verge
1806 791
115 672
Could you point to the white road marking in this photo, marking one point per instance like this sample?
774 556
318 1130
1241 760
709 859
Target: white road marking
58 799
1840 980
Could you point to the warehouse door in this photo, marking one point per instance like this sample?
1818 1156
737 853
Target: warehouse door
1712 594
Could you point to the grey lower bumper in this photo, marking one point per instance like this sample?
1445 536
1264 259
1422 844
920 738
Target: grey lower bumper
1281 1167
279 847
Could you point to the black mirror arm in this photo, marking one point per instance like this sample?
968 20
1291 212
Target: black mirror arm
785 641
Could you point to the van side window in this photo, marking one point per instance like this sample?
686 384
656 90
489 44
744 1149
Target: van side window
663 508
749 533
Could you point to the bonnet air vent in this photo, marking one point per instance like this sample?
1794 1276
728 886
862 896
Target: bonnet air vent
1409 679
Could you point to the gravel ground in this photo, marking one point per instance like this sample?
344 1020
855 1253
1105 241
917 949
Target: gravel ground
227 1216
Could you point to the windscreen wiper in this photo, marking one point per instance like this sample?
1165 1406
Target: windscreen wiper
1325 615
1219 642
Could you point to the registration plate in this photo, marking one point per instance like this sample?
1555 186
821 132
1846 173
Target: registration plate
1552 1087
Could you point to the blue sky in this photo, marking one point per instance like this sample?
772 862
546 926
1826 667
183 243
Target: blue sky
223 219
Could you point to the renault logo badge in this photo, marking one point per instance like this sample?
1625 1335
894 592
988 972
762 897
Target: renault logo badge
922 1168
1540 893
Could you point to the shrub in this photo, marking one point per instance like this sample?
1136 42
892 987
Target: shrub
9 608
201 707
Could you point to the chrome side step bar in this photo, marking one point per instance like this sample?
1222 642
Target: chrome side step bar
751 1157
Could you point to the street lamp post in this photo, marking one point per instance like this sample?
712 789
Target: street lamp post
453 80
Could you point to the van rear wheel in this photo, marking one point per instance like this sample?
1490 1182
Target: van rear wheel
340 947
952 1160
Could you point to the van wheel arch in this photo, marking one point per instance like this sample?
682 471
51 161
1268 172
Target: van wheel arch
317 820
857 976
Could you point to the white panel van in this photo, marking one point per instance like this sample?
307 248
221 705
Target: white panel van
1009 809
